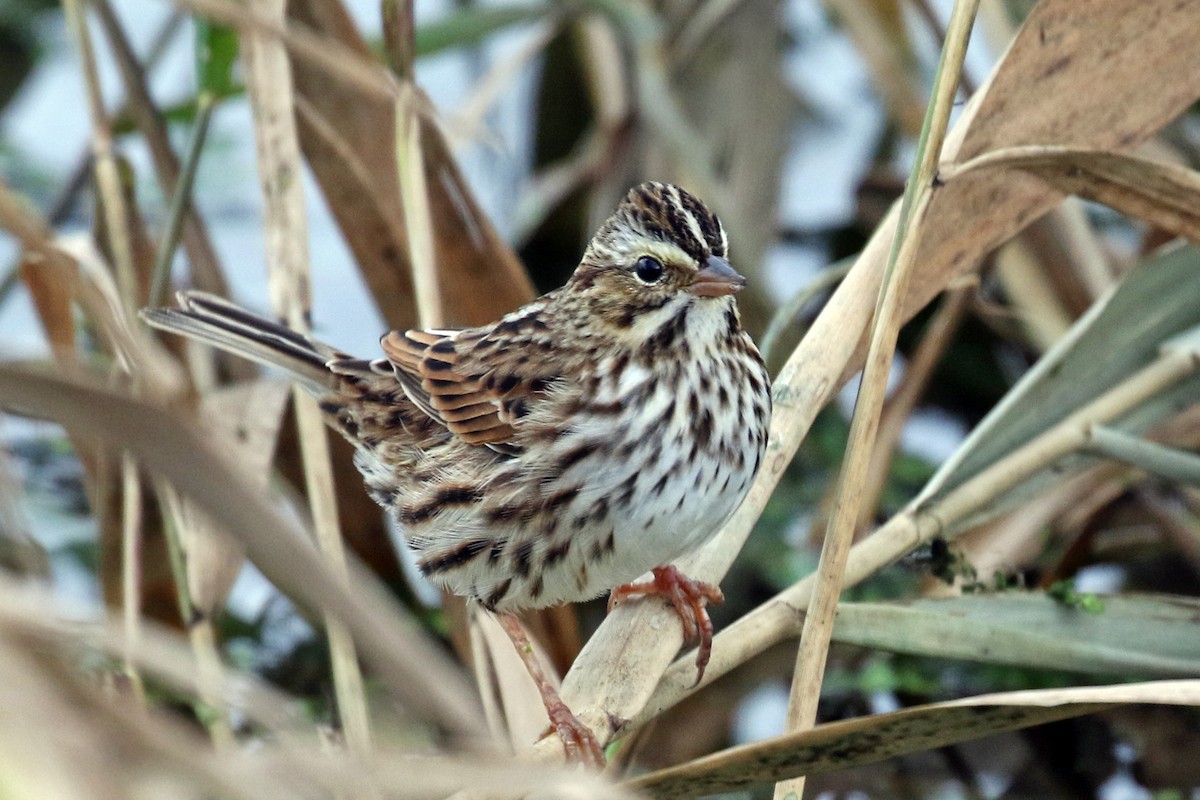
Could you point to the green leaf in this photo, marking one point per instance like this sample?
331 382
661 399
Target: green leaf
216 55
1118 336
1131 635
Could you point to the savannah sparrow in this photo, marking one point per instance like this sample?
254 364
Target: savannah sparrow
594 435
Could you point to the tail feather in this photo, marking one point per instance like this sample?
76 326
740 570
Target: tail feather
217 322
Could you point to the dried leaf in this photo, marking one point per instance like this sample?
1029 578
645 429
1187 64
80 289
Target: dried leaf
841 745
348 139
1165 195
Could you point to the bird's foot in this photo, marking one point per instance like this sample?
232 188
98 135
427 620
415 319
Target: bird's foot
578 741
688 597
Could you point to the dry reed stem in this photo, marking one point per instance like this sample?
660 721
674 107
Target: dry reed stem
202 257
269 82
946 516
889 315
400 37
411 105
116 215
131 570
614 676
937 337
108 181
416 670
818 622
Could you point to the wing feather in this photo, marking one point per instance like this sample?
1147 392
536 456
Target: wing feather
467 380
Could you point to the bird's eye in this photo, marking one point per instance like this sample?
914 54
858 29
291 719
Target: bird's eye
648 269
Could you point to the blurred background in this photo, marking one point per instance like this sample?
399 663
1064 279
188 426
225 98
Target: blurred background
808 113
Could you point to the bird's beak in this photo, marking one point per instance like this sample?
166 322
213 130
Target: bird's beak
716 279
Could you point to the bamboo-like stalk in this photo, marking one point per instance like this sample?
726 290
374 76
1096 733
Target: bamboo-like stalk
899 407
202 256
108 180
131 571
270 86
818 623
414 196
776 619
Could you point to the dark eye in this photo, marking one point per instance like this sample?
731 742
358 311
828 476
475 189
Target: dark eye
648 269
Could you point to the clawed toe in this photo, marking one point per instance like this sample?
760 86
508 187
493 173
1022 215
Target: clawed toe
579 743
688 597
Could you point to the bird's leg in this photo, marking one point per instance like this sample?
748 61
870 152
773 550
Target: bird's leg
578 740
688 597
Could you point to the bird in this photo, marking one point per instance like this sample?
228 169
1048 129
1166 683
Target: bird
571 447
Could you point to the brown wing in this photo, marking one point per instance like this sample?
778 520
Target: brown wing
469 380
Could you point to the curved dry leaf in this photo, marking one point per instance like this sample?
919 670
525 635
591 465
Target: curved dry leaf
49 274
349 140
841 745
1165 195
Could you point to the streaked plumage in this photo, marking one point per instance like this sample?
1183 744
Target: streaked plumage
604 429
598 433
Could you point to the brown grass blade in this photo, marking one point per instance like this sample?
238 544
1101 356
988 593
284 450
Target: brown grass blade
1166 195
269 84
206 272
348 138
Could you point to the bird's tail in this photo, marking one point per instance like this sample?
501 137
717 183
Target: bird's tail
217 322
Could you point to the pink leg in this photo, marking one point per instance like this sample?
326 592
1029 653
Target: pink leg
688 597
578 740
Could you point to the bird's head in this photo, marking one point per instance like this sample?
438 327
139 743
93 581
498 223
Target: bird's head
660 251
